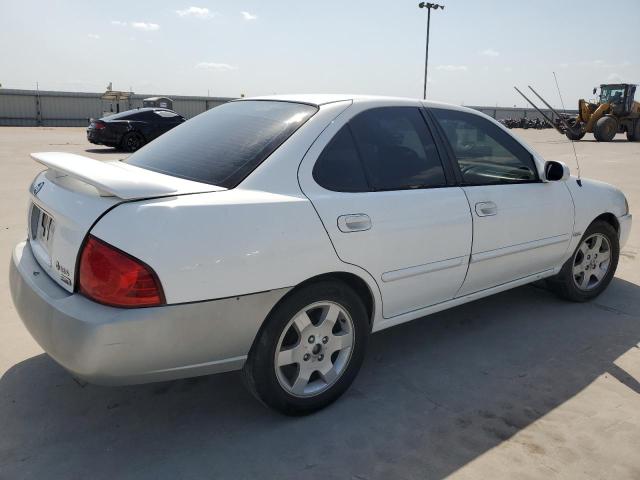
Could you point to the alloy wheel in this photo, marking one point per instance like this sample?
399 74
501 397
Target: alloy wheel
591 262
314 349
133 143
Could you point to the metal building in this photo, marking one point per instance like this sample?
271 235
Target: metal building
502 113
74 109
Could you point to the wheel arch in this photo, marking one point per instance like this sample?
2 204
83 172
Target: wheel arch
609 218
357 283
135 130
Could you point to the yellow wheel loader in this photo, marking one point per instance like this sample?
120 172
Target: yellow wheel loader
614 112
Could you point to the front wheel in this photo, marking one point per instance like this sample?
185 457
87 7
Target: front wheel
310 349
591 267
605 129
574 133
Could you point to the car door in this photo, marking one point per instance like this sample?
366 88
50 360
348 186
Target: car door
380 189
521 225
154 124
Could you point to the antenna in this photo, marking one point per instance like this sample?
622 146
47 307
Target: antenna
564 110
562 120
572 142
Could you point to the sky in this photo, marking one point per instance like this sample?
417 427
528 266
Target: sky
478 49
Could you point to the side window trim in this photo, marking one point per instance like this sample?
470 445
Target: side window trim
451 156
363 166
449 164
456 167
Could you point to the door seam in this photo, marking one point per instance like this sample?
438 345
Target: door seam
473 231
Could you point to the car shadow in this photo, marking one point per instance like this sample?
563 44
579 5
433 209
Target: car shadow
111 150
432 396
615 140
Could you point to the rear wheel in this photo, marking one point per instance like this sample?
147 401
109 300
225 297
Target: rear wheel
132 141
310 349
633 134
591 267
605 129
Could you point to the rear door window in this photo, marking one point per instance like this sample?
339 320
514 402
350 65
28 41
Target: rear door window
397 149
148 116
223 145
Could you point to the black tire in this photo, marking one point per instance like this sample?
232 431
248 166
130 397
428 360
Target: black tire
132 141
260 371
574 131
573 135
633 135
565 284
605 129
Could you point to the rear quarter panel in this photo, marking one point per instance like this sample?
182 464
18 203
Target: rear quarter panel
114 131
262 235
222 244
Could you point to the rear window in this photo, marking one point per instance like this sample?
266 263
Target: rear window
166 114
223 145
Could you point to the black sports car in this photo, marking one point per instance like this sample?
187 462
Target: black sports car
130 130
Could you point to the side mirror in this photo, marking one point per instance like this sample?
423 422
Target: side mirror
594 90
556 171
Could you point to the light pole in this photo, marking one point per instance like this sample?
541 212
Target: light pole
428 6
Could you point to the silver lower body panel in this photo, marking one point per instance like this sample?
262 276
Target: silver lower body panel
116 346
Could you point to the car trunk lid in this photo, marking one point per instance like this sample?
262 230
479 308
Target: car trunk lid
74 192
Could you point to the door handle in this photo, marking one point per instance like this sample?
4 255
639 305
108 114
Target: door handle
486 209
355 222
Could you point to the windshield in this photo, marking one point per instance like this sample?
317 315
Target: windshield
223 145
611 94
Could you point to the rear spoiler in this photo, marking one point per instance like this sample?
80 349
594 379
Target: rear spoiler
113 178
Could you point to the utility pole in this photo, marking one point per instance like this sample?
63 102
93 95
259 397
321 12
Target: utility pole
428 6
38 106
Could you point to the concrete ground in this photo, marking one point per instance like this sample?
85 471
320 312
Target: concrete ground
520 385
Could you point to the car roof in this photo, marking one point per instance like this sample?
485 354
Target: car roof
319 99
133 111
148 109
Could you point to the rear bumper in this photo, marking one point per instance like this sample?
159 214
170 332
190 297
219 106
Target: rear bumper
625 228
115 346
95 140
100 137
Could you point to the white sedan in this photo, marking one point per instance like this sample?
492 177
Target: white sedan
274 234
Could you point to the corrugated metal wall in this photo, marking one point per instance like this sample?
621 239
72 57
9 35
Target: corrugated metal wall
73 109
20 110
501 113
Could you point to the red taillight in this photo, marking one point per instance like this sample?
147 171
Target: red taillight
114 278
99 125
